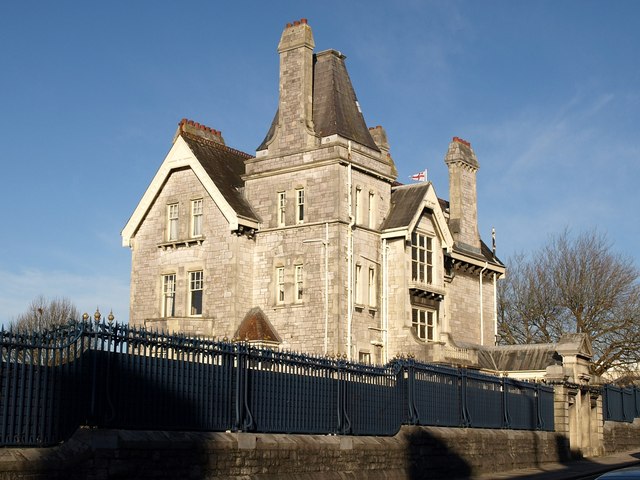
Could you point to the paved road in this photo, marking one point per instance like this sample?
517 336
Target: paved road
587 469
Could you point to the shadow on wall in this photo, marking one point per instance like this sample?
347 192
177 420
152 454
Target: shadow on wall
429 457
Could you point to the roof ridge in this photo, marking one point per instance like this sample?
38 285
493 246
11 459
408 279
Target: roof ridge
215 144
411 185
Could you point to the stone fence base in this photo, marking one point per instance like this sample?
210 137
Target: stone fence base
621 436
415 452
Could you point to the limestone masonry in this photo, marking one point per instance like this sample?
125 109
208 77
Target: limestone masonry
312 245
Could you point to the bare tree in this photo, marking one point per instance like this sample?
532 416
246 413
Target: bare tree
43 314
574 285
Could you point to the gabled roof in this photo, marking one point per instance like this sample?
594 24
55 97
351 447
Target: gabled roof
335 105
219 169
514 358
534 357
225 166
256 327
407 205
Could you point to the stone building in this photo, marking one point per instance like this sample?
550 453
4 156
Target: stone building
312 244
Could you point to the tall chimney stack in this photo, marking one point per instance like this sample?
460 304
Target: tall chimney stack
463 198
295 106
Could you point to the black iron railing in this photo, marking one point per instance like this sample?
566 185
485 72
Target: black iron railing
115 376
620 404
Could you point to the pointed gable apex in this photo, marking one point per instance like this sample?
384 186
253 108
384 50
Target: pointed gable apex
408 202
256 327
575 344
180 156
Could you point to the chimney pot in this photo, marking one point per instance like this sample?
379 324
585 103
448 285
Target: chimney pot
303 20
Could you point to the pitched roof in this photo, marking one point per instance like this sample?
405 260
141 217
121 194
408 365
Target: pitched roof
225 166
218 167
534 357
256 327
512 358
335 105
405 200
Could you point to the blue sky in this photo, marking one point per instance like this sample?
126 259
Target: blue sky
547 92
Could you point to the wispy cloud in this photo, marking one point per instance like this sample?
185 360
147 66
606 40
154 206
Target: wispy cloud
85 291
558 167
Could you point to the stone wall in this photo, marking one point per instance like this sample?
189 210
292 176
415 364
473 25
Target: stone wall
222 257
415 452
621 436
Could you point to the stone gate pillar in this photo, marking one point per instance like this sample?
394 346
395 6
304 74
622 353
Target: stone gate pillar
577 404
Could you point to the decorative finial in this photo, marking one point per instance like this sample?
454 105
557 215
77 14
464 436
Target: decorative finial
110 317
493 240
97 315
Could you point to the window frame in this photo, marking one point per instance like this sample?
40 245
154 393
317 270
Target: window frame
196 284
282 209
364 357
168 293
299 283
357 284
300 198
424 322
422 268
372 288
197 217
371 209
280 286
173 221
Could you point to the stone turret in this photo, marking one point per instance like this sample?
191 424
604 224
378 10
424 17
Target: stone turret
463 203
294 128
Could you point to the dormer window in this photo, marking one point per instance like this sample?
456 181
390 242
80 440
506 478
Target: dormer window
421 258
172 221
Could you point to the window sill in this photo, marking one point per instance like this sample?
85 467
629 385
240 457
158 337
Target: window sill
281 306
426 290
187 242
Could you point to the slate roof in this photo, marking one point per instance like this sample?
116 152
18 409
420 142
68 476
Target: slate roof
511 358
405 200
225 166
335 108
256 327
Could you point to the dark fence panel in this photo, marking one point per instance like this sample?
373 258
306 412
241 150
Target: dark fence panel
620 404
114 376
40 391
371 400
291 394
434 396
545 408
484 405
521 405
